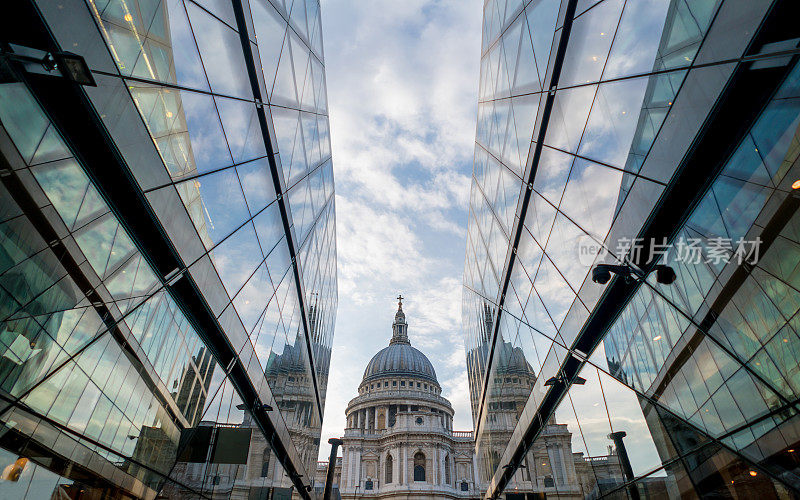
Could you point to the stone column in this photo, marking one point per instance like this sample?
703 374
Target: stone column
405 465
357 470
343 472
396 466
350 473
436 479
443 471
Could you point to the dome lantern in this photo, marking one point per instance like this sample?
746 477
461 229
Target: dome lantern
399 358
400 327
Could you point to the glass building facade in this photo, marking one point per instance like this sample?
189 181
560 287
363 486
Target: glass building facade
660 136
167 249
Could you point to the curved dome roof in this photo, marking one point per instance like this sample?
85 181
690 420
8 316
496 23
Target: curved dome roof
399 358
512 360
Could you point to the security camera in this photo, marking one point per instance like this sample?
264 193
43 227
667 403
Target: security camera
601 275
665 275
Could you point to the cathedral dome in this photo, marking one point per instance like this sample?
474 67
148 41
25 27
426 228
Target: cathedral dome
399 358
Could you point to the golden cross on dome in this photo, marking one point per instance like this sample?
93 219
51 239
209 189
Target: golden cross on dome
399 301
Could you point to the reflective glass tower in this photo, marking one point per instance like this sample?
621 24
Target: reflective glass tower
167 248
659 137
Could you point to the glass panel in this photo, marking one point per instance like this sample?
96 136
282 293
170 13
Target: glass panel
185 128
614 119
215 203
221 52
591 197
637 39
589 43
570 109
551 174
22 118
237 258
259 190
242 129
270 29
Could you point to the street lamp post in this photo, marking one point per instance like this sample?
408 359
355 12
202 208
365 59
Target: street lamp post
335 443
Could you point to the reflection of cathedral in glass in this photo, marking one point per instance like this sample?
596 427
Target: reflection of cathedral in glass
550 466
168 260
250 467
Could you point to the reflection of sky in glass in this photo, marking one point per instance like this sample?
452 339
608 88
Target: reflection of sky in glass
237 257
209 149
614 119
259 190
242 129
637 38
221 52
590 196
251 300
589 42
223 208
188 70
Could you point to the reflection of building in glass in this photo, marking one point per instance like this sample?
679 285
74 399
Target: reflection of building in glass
550 467
287 371
252 467
665 131
167 260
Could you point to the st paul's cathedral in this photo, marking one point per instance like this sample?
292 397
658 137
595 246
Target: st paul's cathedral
399 441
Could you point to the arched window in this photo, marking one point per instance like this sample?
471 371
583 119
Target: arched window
381 421
447 469
265 463
495 460
419 466
389 466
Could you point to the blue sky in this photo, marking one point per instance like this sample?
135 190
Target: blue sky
402 82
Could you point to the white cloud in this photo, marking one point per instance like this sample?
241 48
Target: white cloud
402 91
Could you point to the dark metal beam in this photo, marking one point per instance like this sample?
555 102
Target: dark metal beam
522 206
277 176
